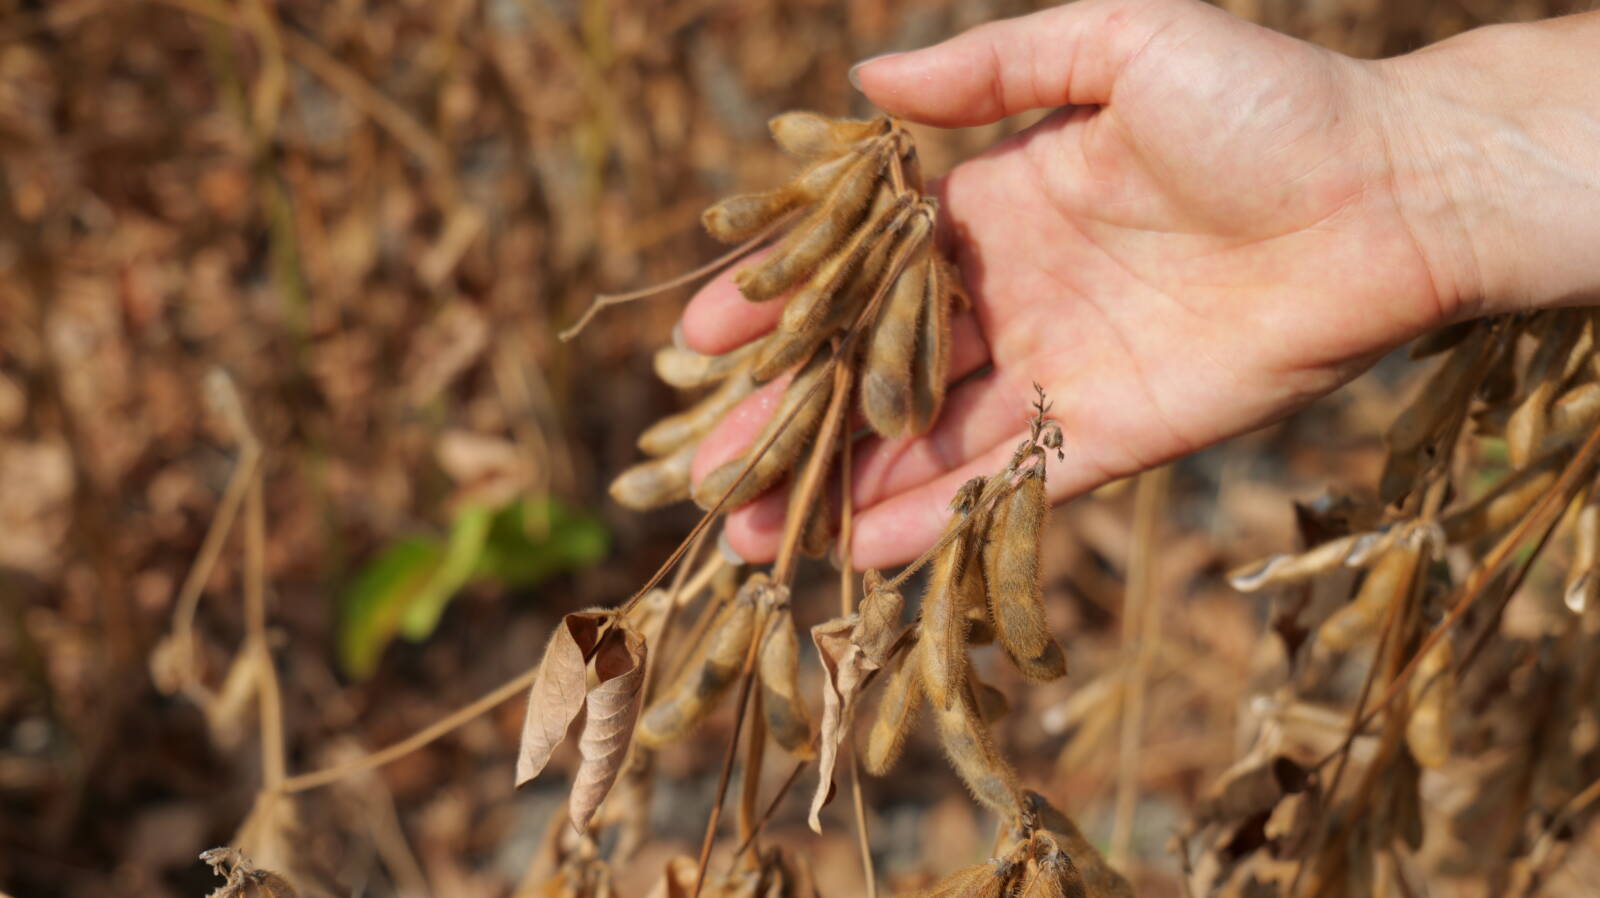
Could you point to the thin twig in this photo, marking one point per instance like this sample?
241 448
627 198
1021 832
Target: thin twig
607 300
847 603
755 744
269 701
411 743
1539 857
740 707
772 808
813 479
216 538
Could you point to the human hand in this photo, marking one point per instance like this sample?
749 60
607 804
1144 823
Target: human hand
1207 235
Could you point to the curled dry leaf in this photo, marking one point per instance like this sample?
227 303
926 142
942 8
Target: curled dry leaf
851 648
558 690
610 711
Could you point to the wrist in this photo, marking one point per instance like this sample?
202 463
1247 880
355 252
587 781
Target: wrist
1493 140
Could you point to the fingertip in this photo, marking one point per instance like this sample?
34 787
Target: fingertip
913 85
854 75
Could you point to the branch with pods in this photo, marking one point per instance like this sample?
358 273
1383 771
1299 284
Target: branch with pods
865 330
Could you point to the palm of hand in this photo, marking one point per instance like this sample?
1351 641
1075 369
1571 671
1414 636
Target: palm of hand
1211 244
1194 258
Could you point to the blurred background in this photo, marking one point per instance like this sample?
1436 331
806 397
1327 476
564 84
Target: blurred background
375 217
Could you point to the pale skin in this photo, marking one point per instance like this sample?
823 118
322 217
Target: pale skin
1216 225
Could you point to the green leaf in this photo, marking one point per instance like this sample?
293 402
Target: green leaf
535 539
407 587
371 607
461 554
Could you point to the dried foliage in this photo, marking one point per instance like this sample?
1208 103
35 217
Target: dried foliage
1453 690
375 218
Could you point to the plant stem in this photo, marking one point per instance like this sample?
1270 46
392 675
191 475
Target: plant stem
1141 631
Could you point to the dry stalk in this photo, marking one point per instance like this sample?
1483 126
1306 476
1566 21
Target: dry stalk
1141 633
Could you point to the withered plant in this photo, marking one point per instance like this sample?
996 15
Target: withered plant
1399 675
1400 672
865 328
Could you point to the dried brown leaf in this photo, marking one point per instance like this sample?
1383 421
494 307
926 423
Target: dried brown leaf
558 690
851 648
610 711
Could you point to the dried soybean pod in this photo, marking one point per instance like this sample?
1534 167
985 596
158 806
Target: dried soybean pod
739 218
710 673
1293 568
779 666
810 135
809 307
827 303
1388 581
911 164
950 275
1413 432
742 216
943 643
1053 875
1582 583
653 484
975 601
688 370
991 879
817 235
1582 351
992 703
1525 429
817 181
801 410
968 745
1432 693
844 307
1011 570
897 713
1571 417
886 374
1503 505
688 426
930 369
822 526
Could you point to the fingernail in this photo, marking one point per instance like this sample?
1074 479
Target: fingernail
677 336
852 74
726 548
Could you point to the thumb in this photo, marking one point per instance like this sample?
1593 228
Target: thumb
1069 55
